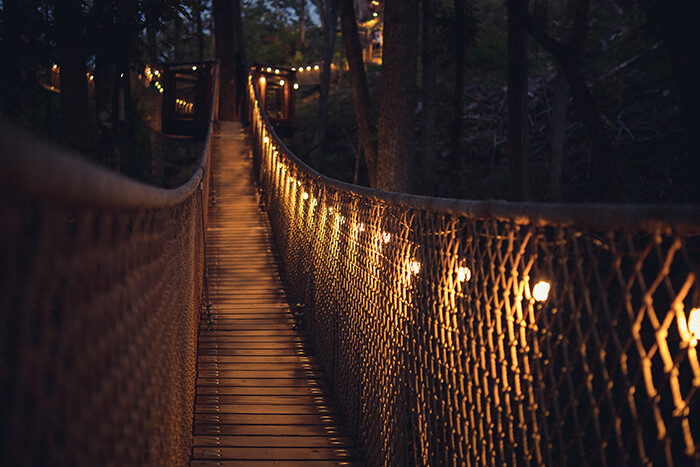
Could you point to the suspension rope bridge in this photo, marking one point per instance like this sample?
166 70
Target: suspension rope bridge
150 327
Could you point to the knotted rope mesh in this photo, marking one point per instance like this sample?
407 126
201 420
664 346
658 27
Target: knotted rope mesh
430 321
100 294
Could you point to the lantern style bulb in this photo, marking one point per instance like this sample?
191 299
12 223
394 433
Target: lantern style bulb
694 324
464 274
541 291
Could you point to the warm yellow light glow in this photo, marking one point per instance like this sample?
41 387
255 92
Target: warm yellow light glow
308 68
294 69
266 140
305 195
262 80
277 72
296 85
194 68
694 326
269 70
386 237
316 67
281 82
54 67
464 274
361 227
375 14
157 73
541 291
414 267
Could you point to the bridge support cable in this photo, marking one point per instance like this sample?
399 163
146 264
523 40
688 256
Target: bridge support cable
100 292
490 333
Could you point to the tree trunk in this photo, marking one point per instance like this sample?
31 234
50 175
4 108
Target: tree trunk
11 49
74 93
197 13
568 56
329 48
429 82
517 106
302 24
225 53
240 59
360 89
398 93
458 99
560 93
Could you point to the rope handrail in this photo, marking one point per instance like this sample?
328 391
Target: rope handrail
649 217
488 332
101 289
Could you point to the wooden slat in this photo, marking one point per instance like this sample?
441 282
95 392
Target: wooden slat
261 397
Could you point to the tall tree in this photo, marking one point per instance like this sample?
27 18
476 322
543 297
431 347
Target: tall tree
517 104
330 30
560 99
70 39
302 24
230 53
398 95
460 26
360 89
569 55
428 85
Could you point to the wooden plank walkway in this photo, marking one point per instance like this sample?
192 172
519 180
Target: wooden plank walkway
260 397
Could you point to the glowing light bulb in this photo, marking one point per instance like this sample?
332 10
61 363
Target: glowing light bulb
296 85
277 72
541 291
294 69
269 70
386 237
308 68
266 139
464 274
305 195
316 67
414 267
262 80
194 68
694 326
281 82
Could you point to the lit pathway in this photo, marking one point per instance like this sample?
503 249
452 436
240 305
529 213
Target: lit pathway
260 399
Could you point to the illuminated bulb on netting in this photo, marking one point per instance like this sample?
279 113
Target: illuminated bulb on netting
541 291
266 139
464 274
296 85
694 326
386 237
414 267
305 195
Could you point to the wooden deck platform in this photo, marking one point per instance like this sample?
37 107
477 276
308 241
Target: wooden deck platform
260 397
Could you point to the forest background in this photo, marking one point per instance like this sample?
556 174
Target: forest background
569 100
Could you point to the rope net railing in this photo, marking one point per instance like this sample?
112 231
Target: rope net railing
101 286
490 333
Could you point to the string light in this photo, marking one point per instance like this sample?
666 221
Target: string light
386 237
296 85
694 326
281 82
464 274
541 291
